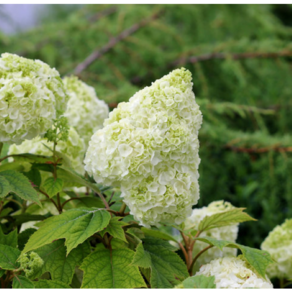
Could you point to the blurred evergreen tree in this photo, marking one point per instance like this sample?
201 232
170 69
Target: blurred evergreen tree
240 58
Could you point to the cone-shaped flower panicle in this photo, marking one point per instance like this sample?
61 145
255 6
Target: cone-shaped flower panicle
234 272
73 149
149 147
279 245
221 233
85 112
32 95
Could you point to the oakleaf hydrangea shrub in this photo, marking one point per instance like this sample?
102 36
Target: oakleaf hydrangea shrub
279 245
222 233
233 272
85 112
149 147
32 95
73 149
143 162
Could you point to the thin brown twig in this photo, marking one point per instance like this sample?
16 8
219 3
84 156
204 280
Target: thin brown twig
222 56
104 200
112 42
112 194
71 199
259 150
50 199
236 56
103 13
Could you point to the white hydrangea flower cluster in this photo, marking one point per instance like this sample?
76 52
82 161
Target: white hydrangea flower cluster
85 112
73 148
233 272
279 245
149 147
32 95
221 233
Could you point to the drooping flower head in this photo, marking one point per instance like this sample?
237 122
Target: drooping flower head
149 147
85 112
32 95
221 233
233 272
279 245
73 149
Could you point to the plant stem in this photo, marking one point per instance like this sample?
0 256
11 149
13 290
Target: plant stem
188 252
1 146
123 208
71 199
50 200
104 201
60 208
196 257
184 252
112 194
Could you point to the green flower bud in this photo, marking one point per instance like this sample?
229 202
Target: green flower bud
30 263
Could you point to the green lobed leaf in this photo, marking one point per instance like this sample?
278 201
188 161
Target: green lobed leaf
19 166
106 268
5 187
74 225
158 234
20 185
258 259
199 281
160 243
166 266
8 257
229 217
115 228
57 263
53 186
50 284
21 282
9 239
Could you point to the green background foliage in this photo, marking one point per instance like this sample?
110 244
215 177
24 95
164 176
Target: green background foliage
240 58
